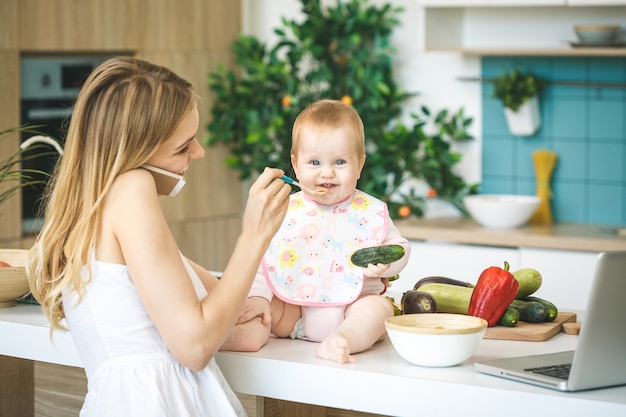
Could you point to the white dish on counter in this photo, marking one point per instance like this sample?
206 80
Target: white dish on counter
501 211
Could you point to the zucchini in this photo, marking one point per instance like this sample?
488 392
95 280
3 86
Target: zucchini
413 302
530 311
510 318
450 298
383 254
529 281
552 311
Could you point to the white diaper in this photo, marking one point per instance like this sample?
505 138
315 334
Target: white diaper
298 330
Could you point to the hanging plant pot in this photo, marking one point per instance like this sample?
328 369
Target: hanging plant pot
526 121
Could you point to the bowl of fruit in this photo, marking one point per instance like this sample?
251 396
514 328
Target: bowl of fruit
13 281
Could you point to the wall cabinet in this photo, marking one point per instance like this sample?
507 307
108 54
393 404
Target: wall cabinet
515 27
567 275
522 3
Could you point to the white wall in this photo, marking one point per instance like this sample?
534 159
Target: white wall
432 75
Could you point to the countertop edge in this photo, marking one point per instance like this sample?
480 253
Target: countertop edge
561 236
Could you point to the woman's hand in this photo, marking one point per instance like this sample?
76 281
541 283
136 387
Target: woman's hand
267 204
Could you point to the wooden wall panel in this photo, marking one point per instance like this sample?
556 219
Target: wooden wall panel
50 400
212 188
10 210
8 24
209 242
219 30
16 387
85 25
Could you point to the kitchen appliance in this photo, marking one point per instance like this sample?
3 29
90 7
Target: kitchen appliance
49 84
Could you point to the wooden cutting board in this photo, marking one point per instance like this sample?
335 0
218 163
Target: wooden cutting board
531 332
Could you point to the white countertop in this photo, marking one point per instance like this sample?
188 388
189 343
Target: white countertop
563 236
379 382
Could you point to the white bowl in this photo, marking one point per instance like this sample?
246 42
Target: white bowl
596 33
435 339
501 211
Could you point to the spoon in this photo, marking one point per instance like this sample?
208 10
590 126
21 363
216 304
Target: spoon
289 180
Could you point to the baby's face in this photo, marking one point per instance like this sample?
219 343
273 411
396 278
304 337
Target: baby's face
331 162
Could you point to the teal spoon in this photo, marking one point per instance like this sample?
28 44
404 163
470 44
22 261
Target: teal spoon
290 180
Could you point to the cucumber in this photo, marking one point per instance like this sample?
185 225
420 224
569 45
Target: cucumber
450 298
383 254
529 281
552 311
510 318
530 311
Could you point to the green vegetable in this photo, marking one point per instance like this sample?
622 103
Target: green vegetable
529 281
551 310
530 311
384 254
510 318
450 298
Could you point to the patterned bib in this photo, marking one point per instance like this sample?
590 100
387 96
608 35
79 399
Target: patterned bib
308 262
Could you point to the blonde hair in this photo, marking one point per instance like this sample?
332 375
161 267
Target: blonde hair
126 108
326 115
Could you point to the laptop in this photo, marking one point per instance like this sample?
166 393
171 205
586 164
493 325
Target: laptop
599 360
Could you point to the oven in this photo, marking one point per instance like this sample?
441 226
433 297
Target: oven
49 85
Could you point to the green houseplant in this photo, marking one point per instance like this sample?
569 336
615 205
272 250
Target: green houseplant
12 175
519 93
340 52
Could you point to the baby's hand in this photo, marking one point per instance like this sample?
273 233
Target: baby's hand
255 307
375 271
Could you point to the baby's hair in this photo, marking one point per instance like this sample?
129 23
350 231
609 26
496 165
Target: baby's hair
325 115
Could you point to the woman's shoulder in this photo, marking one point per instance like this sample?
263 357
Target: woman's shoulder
132 189
137 177
131 210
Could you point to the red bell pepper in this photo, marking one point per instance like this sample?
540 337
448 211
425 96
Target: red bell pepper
494 291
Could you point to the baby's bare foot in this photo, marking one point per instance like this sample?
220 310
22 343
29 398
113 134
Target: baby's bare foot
335 348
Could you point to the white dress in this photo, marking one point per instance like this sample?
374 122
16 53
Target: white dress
129 370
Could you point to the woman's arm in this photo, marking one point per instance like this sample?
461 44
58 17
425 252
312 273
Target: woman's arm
192 330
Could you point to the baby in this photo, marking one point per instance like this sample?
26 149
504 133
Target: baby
306 286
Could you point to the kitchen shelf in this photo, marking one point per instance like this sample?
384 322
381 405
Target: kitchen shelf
598 52
532 30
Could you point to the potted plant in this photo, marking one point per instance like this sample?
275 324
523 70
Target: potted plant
340 52
519 93
12 175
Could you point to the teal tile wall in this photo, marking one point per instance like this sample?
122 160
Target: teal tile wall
585 126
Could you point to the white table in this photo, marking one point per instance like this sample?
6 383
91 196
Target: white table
379 382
